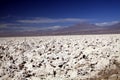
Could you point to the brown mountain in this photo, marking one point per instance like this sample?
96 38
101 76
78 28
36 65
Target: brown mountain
77 29
87 28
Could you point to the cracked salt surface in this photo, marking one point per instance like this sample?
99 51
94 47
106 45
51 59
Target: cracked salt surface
78 57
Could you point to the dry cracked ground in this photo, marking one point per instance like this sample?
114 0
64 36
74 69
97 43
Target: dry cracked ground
78 57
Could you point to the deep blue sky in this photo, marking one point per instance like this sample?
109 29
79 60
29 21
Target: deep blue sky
11 11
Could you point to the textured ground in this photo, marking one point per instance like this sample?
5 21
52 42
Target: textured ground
80 57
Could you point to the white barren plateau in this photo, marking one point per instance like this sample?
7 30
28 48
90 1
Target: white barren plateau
70 57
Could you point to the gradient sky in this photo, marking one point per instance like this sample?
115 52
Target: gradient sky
41 14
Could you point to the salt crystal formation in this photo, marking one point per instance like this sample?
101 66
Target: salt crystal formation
78 57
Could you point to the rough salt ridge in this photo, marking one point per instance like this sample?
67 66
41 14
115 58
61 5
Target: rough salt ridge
78 57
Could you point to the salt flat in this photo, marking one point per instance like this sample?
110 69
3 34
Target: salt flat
73 57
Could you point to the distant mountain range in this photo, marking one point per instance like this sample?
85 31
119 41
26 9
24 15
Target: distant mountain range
78 29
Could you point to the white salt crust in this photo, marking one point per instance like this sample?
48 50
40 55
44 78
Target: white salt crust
75 57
